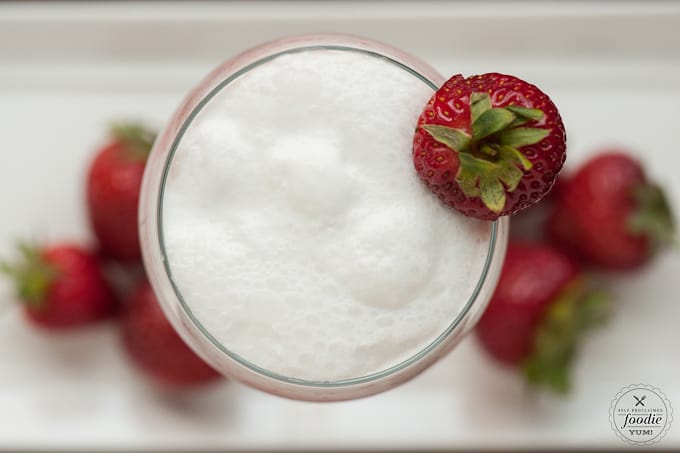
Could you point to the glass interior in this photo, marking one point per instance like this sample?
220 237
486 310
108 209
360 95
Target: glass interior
185 305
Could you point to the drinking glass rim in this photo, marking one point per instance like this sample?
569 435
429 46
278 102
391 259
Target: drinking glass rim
372 377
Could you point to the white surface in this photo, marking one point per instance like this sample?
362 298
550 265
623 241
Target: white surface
287 178
66 71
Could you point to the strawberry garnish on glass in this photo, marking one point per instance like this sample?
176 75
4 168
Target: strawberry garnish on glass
489 145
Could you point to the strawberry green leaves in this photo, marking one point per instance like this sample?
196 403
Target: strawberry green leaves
526 114
31 274
137 139
491 122
479 103
522 136
575 311
453 138
489 180
491 162
653 217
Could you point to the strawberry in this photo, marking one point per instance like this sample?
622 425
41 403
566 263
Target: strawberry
489 145
610 215
61 286
155 346
113 184
537 314
529 225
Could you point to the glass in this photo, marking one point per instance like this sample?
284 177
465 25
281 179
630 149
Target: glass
179 313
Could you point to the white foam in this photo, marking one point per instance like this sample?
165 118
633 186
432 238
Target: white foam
297 229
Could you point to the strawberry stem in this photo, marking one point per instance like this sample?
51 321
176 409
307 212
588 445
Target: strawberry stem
653 217
556 340
138 140
489 151
32 275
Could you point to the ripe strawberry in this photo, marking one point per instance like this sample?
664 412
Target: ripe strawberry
489 145
610 214
529 225
155 346
537 313
113 185
61 286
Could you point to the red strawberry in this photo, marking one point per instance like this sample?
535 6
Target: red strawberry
610 214
528 225
537 313
61 286
489 145
156 347
113 185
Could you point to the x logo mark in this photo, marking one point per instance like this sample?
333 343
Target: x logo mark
639 400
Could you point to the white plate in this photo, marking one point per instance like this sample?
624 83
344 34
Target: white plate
66 70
